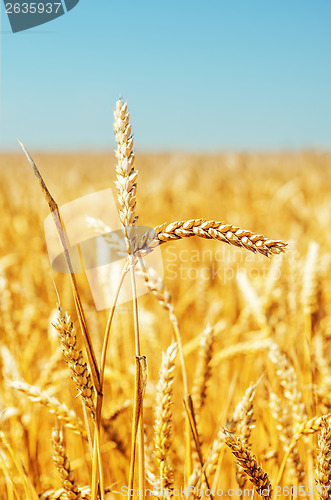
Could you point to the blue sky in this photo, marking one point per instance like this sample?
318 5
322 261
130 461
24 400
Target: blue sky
198 76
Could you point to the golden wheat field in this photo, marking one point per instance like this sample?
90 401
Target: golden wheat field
254 332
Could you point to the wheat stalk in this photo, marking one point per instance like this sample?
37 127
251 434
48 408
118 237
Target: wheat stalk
127 186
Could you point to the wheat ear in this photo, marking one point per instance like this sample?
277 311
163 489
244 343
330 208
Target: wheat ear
246 458
126 174
163 414
203 369
202 375
323 468
312 425
209 229
63 466
289 382
309 282
305 428
75 359
244 422
241 349
241 423
60 410
282 415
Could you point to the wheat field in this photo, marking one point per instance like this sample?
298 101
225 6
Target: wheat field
255 335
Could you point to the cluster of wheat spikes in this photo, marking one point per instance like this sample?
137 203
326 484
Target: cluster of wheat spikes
86 437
